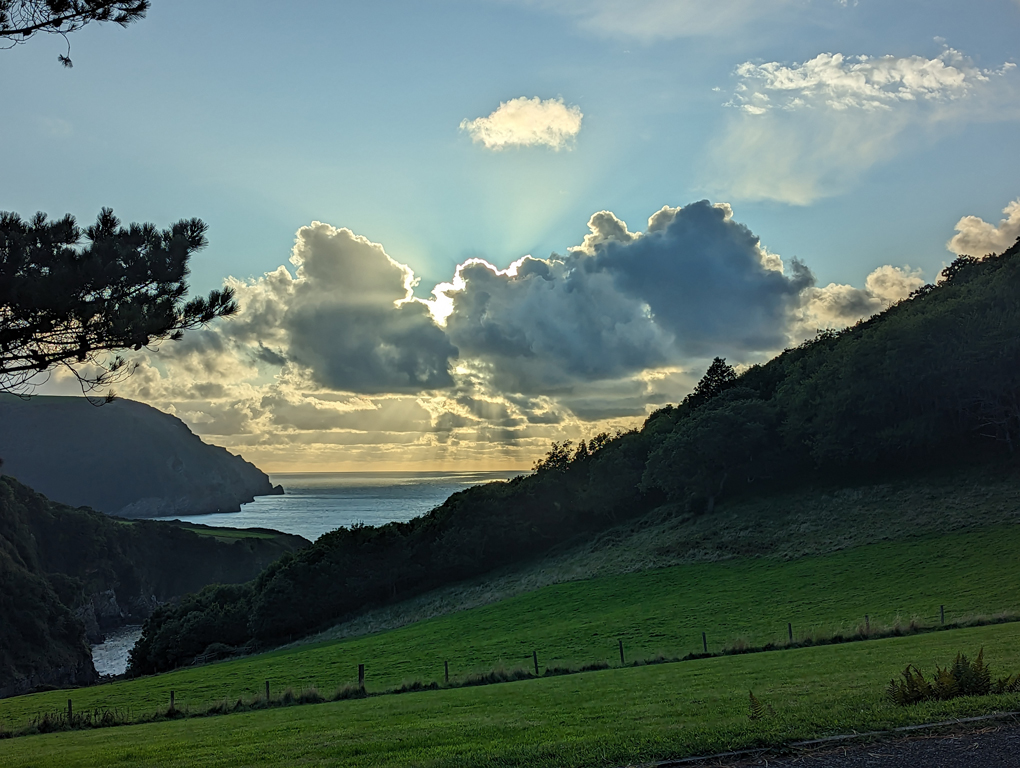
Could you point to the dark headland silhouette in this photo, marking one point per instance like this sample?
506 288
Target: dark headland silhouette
123 458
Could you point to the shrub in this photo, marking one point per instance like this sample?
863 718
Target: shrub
310 695
349 691
570 670
498 675
410 686
961 678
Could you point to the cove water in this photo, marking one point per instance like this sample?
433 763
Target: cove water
314 503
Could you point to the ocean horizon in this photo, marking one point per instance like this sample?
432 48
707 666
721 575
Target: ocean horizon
314 503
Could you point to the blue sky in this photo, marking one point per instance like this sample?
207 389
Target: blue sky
261 118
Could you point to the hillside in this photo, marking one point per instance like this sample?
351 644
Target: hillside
123 458
779 527
740 603
68 574
933 382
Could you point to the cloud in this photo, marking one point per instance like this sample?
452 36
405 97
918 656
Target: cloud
524 122
804 131
543 325
837 306
337 363
856 82
348 317
706 279
651 20
311 413
976 237
696 283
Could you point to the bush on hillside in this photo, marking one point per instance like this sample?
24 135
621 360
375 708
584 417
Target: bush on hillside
961 678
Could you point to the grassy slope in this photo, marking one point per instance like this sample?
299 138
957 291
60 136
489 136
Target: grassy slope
233 534
779 526
665 610
600 718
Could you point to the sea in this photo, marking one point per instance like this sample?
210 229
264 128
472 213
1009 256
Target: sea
314 503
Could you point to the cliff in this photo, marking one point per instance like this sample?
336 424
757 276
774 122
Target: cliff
123 458
68 574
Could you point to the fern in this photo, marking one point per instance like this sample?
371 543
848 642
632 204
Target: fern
1007 684
912 689
961 678
759 709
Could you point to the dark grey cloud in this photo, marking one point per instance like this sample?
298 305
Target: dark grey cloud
696 283
347 317
706 280
547 324
369 349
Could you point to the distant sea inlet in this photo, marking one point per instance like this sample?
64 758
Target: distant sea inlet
315 503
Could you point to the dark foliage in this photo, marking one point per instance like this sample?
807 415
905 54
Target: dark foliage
53 558
66 304
961 678
933 378
21 19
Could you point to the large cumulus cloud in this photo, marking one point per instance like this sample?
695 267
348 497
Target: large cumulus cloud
695 283
348 317
706 279
333 361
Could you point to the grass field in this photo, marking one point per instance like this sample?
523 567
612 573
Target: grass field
230 534
661 611
607 718
782 526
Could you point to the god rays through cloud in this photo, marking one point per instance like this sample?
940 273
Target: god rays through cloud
326 352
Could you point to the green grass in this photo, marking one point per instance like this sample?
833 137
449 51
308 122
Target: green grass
782 526
662 611
229 534
607 718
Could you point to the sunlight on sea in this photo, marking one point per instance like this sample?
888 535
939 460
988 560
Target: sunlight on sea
317 502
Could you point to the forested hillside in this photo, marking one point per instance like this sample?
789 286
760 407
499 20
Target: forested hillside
68 573
933 380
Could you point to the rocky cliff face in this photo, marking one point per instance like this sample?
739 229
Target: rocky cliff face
69 575
123 458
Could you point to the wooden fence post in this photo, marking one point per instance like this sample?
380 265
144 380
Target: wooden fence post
534 657
704 641
171 701
446 666
942 614
267 691
789 629
70 715
361 676
867 624
622 661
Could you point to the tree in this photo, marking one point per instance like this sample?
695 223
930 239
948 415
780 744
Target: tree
65 304
21 19
719 377
724 439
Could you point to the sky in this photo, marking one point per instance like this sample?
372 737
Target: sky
459 231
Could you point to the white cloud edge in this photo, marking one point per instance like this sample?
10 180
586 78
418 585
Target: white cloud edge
527 122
